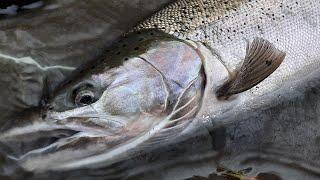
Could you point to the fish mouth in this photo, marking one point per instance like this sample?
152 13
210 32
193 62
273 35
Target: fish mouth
52 135
22 144
40 145
48 143
22 140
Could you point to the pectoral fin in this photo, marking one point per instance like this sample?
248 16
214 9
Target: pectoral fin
262 59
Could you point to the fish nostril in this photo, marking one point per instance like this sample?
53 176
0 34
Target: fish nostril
45 110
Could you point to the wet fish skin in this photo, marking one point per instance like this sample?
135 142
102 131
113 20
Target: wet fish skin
224 25
227 27
228 47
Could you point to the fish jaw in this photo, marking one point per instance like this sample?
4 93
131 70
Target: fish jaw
84 144
94 119
75 138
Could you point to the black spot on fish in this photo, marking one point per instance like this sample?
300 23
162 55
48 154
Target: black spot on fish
268 63
126 59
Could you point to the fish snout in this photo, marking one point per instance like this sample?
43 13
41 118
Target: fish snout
88 119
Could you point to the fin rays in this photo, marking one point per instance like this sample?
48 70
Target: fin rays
261 60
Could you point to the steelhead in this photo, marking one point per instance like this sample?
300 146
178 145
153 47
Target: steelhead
192 62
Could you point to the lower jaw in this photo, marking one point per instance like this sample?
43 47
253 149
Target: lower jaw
17 148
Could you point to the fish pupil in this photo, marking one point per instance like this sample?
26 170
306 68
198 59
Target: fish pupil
86 99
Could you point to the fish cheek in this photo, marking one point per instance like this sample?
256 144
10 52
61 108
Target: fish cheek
133 98
122 103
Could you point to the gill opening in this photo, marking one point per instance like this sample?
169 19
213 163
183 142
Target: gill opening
164 81
196 47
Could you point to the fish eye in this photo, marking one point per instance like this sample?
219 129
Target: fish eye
84 98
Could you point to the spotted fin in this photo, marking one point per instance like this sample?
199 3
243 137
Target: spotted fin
262 59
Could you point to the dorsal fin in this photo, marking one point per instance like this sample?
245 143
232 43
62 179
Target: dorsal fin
262 59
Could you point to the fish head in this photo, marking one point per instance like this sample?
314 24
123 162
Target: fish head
148 82
145 77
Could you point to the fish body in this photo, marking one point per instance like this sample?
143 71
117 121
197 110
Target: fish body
227 27
166 77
